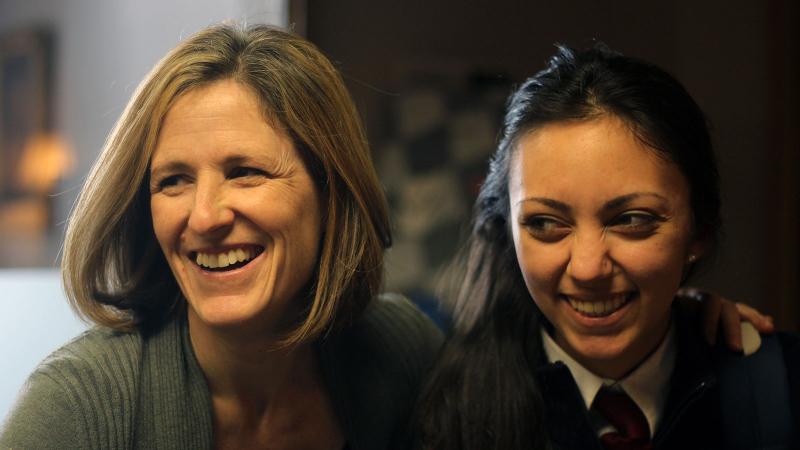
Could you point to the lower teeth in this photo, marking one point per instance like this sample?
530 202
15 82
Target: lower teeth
228 267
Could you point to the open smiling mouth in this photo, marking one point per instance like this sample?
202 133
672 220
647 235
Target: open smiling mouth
600 308
228 260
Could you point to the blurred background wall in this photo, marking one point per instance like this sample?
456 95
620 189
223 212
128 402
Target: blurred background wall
430 79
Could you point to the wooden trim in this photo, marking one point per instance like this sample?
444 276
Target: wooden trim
783 146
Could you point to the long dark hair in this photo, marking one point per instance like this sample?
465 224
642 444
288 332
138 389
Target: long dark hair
482 393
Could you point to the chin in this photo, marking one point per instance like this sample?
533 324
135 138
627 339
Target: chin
605 349
225 311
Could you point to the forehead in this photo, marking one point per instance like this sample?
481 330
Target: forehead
593 159
222 104
223 116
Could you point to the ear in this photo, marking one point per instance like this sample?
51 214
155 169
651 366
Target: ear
696 249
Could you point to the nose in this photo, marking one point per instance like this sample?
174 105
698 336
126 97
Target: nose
210 214
589 259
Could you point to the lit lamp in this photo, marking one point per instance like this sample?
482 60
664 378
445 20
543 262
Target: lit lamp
25 219
45 159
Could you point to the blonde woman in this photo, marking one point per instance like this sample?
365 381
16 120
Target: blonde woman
228 244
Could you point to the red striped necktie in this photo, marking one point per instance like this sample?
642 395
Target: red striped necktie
632 433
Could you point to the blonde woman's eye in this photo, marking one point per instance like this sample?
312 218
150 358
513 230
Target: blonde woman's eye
240 172
172 180
168 184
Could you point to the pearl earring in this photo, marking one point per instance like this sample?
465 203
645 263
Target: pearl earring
692 258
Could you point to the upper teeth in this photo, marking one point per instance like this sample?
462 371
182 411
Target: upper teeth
224 259
598 308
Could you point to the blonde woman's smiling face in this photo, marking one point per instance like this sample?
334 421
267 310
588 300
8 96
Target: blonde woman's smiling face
602 229
234 209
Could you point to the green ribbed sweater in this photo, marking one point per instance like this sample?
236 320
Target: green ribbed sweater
113 390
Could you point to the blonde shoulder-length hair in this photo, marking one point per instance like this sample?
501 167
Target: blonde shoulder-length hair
113 270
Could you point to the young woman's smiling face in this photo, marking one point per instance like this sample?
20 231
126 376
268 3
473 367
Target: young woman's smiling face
602 228
234 210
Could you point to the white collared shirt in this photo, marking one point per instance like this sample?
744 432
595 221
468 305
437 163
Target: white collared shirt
647 385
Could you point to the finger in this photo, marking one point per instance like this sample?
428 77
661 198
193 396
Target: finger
731 325
712 308
751 340
763 323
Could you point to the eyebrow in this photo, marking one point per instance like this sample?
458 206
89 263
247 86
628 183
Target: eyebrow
549 202
614 203
180 166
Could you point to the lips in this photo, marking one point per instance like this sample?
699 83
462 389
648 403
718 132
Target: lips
229 258
599 306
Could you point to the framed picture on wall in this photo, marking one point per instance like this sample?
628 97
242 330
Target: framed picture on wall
26 146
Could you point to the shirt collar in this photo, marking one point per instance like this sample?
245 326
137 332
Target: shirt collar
647 385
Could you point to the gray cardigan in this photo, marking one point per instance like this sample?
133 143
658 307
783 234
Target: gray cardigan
113 390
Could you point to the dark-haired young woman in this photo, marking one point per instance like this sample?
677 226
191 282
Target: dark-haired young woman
601 200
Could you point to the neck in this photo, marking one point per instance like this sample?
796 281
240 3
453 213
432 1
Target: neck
249 370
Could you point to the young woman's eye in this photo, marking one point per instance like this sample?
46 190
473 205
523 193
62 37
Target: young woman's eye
546 228
637 222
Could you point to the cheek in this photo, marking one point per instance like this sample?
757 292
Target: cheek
659 266
296 218
307 227
541 266
163 218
